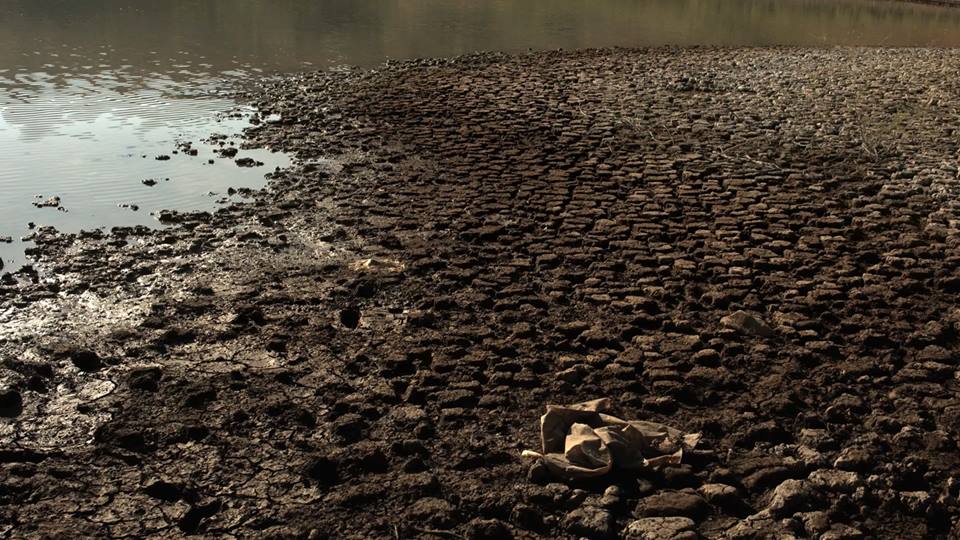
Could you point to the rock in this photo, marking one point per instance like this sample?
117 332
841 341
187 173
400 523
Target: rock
590 522
247 162
745 323
612 497
52 202
673 503
834 480
11 403
487 529
661 528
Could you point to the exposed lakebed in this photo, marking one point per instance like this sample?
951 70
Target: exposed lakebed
365 350
92 93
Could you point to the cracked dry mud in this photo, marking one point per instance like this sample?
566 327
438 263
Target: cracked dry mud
363 350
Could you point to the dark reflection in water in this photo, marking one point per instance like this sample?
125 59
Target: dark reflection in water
88 88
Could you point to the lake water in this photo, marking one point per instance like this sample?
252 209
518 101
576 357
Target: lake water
91 93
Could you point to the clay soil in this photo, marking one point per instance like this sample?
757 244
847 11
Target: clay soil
363 349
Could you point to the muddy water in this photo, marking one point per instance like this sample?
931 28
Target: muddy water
91 93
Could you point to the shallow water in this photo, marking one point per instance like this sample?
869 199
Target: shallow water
92 92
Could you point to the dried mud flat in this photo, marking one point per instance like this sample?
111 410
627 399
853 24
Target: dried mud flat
364 349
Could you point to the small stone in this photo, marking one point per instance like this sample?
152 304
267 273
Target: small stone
488 529
743 322
247 162
576 498
661 528
611 497
590 522
672 503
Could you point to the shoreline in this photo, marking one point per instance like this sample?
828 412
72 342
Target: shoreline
364 349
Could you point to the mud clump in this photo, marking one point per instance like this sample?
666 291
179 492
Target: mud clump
363 349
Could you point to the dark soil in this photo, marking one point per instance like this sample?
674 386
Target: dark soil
364 349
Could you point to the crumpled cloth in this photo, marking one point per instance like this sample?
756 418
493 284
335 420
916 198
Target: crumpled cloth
584 441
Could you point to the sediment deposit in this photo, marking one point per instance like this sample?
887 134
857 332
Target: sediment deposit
364 348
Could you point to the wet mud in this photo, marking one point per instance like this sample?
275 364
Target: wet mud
759 245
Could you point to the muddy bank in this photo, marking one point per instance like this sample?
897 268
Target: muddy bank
364 349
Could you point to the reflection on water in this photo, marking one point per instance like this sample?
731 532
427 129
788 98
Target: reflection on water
89 88
92 139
